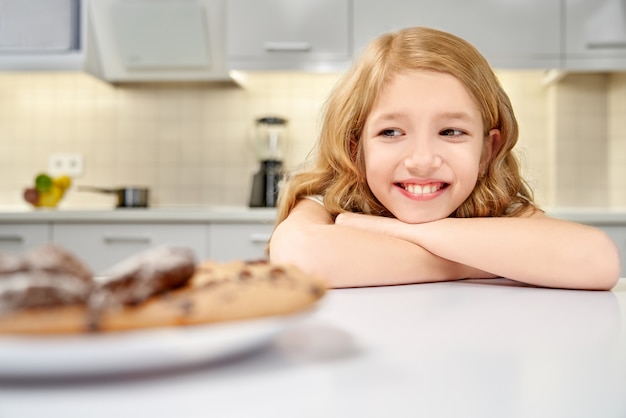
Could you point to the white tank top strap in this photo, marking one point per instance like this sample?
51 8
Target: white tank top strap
316 198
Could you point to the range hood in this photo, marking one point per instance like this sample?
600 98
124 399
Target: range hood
156 40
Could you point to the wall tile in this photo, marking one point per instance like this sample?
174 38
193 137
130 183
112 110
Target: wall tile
617 140
579 144
190 143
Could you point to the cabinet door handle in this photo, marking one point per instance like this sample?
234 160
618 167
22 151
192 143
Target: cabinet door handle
607 45
287 46
113 239
12 238
259 238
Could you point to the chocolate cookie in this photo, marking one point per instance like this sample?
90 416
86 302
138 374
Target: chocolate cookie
215 293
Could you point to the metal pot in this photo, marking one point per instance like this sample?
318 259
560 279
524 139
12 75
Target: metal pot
127 197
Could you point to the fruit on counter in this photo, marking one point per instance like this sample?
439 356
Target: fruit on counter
62 182
43 182
48 191
51 198
31 195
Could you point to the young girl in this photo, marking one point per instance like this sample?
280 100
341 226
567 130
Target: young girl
415 181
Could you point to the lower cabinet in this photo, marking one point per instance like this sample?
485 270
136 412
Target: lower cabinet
101 245
231 241
21 237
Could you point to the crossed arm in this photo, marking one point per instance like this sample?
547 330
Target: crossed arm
361 250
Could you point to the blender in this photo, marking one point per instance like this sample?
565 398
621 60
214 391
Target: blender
268 143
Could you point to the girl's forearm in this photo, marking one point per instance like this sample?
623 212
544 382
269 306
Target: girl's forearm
540 251
348 257
537 250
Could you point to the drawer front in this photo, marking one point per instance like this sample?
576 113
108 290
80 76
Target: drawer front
238 241
17 238
104 244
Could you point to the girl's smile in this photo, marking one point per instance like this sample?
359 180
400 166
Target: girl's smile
422 191
424 146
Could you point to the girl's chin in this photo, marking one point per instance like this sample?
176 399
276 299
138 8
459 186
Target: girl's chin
412 219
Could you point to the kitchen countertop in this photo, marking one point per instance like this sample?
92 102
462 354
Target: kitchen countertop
173 214
590 215
474 348
219 213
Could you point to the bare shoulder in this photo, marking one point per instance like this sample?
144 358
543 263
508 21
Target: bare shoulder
534 213
295 234
309 211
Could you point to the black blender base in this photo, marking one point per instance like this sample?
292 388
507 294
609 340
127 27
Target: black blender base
257 195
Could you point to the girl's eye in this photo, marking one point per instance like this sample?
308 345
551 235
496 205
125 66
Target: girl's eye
451 132
390 133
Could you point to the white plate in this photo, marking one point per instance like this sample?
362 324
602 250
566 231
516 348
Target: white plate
133 351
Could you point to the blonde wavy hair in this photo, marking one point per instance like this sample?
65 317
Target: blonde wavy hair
338 171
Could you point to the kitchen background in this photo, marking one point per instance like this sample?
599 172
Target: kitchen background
190 143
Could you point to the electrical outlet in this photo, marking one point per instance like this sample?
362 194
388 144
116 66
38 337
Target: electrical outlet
65 164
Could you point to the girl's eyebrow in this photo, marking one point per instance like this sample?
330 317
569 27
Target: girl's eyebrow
390 116
456 115
444 115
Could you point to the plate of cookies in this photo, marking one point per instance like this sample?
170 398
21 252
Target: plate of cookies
155 310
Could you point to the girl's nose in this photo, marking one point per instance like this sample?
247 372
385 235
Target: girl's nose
422 156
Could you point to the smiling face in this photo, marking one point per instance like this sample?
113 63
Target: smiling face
424 146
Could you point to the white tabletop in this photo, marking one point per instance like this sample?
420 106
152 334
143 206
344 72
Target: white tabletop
458 349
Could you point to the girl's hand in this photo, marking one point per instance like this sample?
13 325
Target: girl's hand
371 223
411 233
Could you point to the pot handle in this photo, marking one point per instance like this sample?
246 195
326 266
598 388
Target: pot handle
96 189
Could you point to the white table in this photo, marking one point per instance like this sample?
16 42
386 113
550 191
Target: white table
459 349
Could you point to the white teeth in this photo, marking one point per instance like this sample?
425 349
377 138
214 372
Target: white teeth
418 189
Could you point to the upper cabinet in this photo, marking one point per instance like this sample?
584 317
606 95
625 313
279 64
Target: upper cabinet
156 40
201 40
310 35
595 35
510 34
41 35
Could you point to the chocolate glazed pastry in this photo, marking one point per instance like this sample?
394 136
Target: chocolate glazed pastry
139 277
46 276
48 290
55 259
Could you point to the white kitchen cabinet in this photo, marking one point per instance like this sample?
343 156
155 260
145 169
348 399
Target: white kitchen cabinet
41 35
236 241
510 34
21 237
288 34
595 35
101 245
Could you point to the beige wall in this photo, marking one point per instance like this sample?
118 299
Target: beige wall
588 142
579 140
529 99
189 143
617 141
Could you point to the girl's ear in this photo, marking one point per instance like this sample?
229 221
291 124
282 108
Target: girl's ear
491 147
